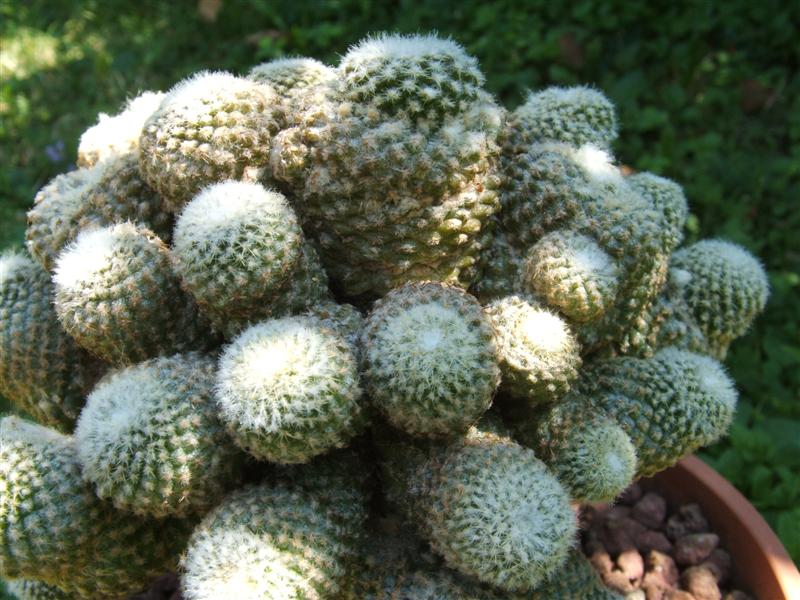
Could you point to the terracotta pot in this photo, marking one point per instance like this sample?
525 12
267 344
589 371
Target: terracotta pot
762 564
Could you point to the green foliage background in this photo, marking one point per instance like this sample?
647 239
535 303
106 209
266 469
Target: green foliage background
708 94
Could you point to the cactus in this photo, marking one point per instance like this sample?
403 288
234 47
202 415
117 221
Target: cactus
275 541
669 405
42 370
29 589
597 248
429 362
118 134
209 128
57 531
118 296
539 356
109 192
393 165
590 454
571 272
576 116
288 390
716 289
487 505
235 245
291 76
666 196
449 321
150 440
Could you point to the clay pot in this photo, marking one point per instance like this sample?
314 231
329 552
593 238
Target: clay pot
762 564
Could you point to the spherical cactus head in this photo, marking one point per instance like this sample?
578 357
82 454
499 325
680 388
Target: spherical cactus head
669 405
497 513
209 128
590 454
118 296
288 390
43 371
667 197
273 541
110 191
571 272
53 213
117 134
234 244
150 441
287 76
415 76
539 356
724 286
575 115
429 359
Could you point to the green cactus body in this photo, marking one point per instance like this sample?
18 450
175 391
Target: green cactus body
401 582
306 288
576 580
539 357
724 288
500 269
111 192
118 296
235 243
288 390
669 405
209 128
118 134
429 359
29 589
598 248
576 115
393 165
150 440
590 454
571 272
486 504
345 318
274 541
57 531
292 76
42 370
666 196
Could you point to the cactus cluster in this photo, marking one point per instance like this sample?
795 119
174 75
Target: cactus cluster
269 315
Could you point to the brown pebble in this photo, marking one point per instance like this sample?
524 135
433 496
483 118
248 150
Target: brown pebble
631 495
618 581
679 595
653 540
688 519
631 564
664 567
654 590
701 583
737 595
618 512
650 510
720 563
694 548
618 535
601 561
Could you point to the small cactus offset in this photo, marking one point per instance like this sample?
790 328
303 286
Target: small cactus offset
351 332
